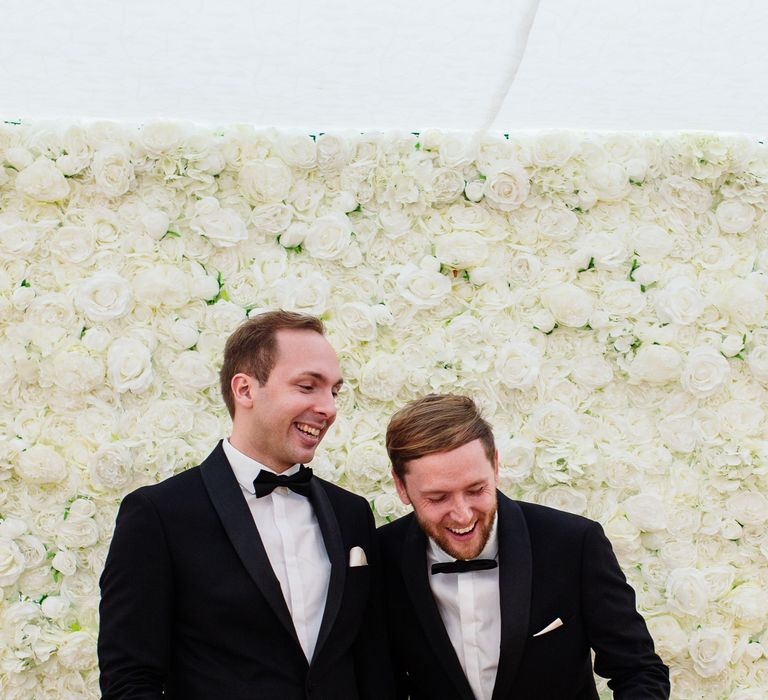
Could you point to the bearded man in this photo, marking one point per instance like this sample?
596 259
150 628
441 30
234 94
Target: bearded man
494 599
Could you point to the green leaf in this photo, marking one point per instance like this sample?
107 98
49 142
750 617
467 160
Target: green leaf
590 266
635 265
171 234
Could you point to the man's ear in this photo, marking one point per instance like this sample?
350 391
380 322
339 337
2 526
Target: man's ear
400 488
242 391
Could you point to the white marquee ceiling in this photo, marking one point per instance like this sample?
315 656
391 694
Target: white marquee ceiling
594 64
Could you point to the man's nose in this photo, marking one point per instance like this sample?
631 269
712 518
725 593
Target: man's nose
461 511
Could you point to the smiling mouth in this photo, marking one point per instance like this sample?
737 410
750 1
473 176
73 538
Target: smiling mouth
463 530
308 430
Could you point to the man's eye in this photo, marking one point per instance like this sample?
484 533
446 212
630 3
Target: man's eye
305 387
436 499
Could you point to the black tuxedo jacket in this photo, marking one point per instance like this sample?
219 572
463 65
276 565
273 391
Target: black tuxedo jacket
551 564
191 608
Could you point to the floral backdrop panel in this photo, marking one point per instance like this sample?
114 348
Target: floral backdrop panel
603 297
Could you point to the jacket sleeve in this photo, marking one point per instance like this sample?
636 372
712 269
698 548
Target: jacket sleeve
617 633
373 667
136 605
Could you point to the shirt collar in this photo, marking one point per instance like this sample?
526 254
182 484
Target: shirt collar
490 551
246 469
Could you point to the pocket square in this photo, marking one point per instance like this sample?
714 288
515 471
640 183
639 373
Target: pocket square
357 557
551 626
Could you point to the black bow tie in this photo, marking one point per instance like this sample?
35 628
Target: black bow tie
266 482
460 566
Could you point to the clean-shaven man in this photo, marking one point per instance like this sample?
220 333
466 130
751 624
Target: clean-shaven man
246 578
494 599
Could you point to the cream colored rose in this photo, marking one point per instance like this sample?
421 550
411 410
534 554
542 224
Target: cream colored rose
309 293
298 150
163 137
647 511
54 607
112 170
652 243
17 237
40 464
741 417
516 457
104 296
266 181
423 286
332 151
366 466
446 185
359 320
679 302
77 533
129 366
77 372
748 507
655 364
222 226
683 193
328 236
43 181
78 652
192 372
554 422
710 650
461 250
553 149
609 181
623 298
65 562
74 244
383 376
705 372
569 304
12 562
272 219
748 603
507 189
687 592
517 365
111 467
592 371
734 216
162 286
668 636
557 223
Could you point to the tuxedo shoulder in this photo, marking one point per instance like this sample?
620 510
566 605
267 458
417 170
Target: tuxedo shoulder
173 487
546 517
392 534
339 494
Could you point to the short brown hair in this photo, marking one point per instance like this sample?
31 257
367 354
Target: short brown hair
252 348
436 423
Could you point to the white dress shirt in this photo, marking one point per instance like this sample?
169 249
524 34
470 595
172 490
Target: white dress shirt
469 604
291 535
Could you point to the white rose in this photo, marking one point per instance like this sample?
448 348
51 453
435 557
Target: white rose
328 236
592 371
192 372
705 371
652 243
184 332
77 533
710 650
748 603
446 185
719 580
271 218
308 294
77 371
655 364
41 465
569 304
507 189
668 636
359 320
12 562
383 376
686 592
78 652
524 269
461 250
266 181
389 506
65 562
622 298
367 464
743 301
73 244
748 507
17 237
735 216
112 170
564 498
129 366
516 457
162 137
43 181
686 194
96 339
222 226
111 467
679 302
554 422
609 181
552 149
557 223
647 511
543 321
731 345
104 296
54 607
162 286
518 364
741 418
423 286
298 150
474 190
332 151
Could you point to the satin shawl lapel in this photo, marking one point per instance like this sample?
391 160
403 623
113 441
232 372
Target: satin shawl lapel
515 571
235 516
334 546
414 565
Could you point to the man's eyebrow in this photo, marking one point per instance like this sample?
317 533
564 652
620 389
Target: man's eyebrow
319 376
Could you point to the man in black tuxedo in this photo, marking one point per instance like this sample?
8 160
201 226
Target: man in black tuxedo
246 578
494 599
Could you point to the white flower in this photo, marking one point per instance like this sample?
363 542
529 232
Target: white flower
592 371
743 301
112 170
679 302
41 465
686 194
705 372
328 237
609 181
359 320
668 636
111 467
162 137
77 371
298 150
423 286
332 151
383 376
74 244
271 218
446 185
517 365
162 286
507 189
686 592
652 243
749 508
129 366
748 603
710 650
78 652
54 607
43 181
655 364
366 466
557 223
647 511
757 361
309 293
65 562
461 250
104 296
734 216
266 181
569 304
220 225
11 562
192 372
554 422
553 149
516 457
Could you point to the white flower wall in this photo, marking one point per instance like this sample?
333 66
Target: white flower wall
603 297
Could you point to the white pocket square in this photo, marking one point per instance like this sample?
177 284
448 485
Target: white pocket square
551 626
357 557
